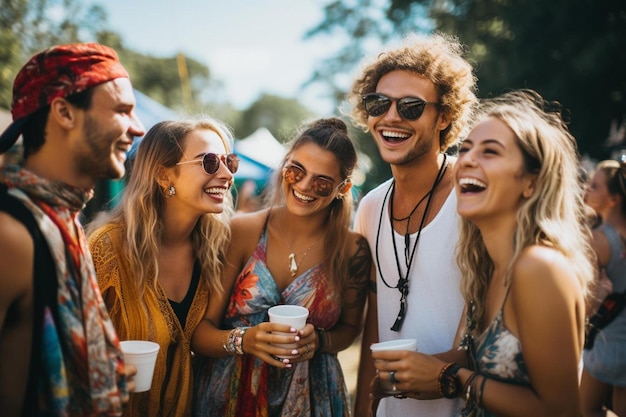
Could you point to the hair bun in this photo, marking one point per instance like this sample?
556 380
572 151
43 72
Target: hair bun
332 122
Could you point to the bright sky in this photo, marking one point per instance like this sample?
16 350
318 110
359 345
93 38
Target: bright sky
252 46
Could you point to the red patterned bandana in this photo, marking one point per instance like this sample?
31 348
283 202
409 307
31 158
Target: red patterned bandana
59 71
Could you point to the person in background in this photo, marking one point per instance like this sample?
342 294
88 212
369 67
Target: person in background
75 108
603 382
415 100
247 198
158 254
526 267
298 251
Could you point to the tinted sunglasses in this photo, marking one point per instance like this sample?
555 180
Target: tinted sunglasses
321 186
211 162
410 108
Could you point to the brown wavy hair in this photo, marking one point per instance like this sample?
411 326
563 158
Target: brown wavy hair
330 134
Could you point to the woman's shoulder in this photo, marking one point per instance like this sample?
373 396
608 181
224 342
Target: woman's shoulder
358 249
540 259
543 270
245 221
356 241
246 229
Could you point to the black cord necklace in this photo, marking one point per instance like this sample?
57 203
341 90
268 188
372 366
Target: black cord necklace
395 219
407 237
403 281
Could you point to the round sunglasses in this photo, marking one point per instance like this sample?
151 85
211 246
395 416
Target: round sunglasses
321 186
410 108
211 162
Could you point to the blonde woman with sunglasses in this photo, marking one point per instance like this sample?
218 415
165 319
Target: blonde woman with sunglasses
526 266
296 251
158 254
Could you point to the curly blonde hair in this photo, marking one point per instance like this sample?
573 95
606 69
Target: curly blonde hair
141 207
439 58
554 215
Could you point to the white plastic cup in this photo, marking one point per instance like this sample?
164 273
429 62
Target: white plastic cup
142 354
293 315
399 344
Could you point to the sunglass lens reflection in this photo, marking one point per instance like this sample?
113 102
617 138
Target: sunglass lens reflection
321 186
211 163
377 105
232 162
293 174
409 108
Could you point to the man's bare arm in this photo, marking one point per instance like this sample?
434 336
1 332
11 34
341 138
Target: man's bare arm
16 312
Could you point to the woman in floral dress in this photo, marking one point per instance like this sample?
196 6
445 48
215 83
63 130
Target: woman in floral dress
297 251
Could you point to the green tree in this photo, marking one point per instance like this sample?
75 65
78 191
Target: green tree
27 26
281 116
568 50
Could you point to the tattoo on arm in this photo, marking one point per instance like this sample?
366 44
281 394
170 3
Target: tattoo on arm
359 268
372 287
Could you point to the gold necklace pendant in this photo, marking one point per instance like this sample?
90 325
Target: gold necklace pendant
293 266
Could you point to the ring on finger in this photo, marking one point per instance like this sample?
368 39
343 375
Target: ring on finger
392 377
308 349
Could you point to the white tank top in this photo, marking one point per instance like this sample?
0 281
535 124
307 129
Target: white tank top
434 302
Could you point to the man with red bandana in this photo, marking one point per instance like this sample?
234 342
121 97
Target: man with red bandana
74 107
415 101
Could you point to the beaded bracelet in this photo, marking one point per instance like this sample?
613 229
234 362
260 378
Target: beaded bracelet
467 388
233 344
448 383
479 398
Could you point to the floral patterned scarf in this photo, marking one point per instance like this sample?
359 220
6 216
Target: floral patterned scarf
82 364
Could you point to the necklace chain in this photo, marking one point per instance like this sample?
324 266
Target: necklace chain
293 265
403 281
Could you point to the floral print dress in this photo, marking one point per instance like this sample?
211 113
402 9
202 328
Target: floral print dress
499 356
245 386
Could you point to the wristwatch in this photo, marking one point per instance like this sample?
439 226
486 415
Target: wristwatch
449 384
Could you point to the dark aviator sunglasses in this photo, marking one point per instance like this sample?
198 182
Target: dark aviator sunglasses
321 186
410 108
211 162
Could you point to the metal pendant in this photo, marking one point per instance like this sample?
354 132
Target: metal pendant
293 266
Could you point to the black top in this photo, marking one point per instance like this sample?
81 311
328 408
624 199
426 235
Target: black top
181 309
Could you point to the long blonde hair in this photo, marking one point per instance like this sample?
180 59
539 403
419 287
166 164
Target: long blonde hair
332 135
553 215
141 207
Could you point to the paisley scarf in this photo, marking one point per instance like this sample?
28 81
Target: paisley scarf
82 364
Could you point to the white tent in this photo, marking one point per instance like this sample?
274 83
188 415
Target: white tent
261 146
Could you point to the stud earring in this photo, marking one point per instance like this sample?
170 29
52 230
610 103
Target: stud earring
169 193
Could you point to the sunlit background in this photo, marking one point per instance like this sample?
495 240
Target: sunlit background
274 64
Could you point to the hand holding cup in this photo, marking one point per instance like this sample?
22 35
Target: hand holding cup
388 386
142 355
292 315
